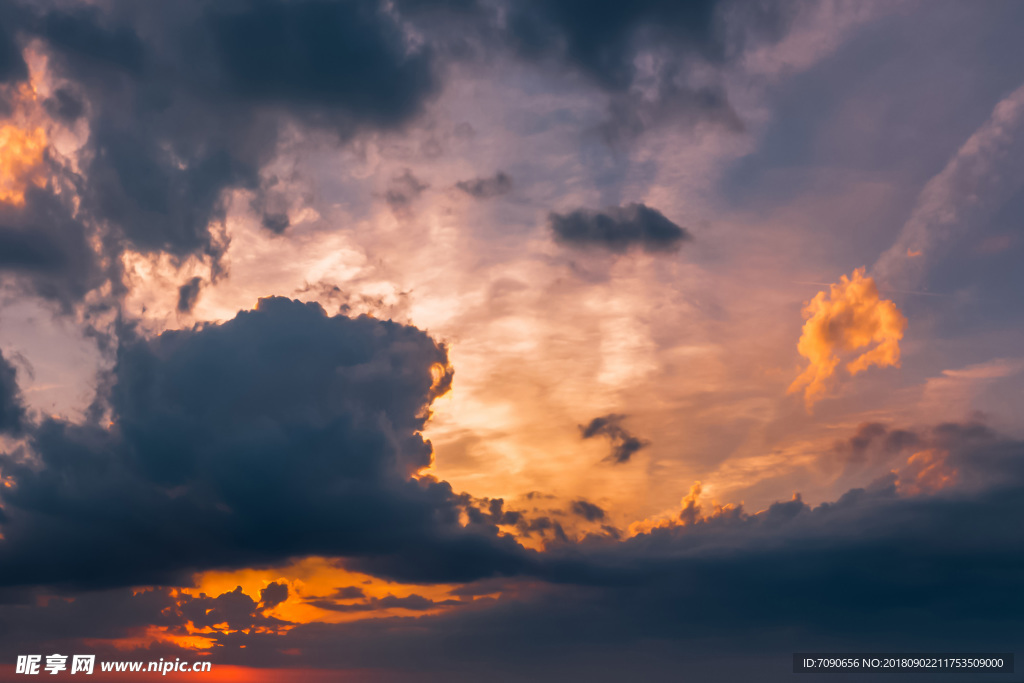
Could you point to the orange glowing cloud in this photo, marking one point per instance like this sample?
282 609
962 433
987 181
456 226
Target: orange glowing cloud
849 317
22 144
926 472
690 512
21 157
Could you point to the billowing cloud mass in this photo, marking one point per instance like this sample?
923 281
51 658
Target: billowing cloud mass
763 576
618 228
849 317
280 433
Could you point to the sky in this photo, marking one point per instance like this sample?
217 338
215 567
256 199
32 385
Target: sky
519 340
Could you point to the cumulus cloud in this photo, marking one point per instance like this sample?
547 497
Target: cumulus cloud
47 247
176 106
849 317
282 432
624 444
618 229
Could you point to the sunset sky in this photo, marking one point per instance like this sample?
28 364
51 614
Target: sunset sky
513 340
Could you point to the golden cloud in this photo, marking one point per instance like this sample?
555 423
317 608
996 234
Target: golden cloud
21 151
849 317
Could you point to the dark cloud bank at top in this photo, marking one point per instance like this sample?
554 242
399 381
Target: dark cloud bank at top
186 100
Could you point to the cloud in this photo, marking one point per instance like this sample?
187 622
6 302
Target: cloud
643 54
586 510
415 603
12 410
21 161
12 65
403 190
624 444
280 433
618 229
849 317
48 248
486 188
983 174
188 294
184 103
861 570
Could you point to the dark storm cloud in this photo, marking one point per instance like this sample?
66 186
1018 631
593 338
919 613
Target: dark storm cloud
188 294
64 106
602 41
12 410
486 188
185 100
870 570
618 229
874 440
280 433
350 55
624 444
49 248
236 609
12 66
729 592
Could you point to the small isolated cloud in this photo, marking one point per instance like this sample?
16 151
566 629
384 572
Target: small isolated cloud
403 190
618 229
849 317
587 510
188 294
624 444
486 188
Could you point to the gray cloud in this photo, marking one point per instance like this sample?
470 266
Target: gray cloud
188 294
12 410
587 510
624 444
280 433
618 229
403 190
486 188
